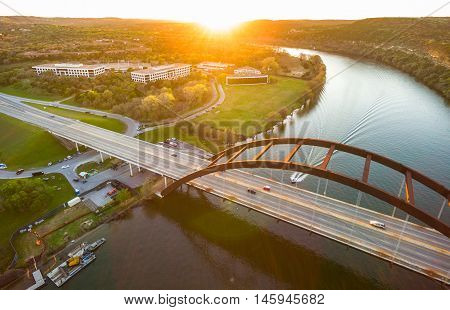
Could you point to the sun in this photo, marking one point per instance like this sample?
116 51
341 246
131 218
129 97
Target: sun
218 24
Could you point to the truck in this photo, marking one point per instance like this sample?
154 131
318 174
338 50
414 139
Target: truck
73 202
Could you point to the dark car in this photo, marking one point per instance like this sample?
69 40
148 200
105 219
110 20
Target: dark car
251 191
37 173
76 179
20 171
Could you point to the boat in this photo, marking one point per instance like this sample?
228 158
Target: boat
95 245
70 267
79 258
297 177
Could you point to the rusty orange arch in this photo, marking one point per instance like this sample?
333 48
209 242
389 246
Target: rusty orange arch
362 184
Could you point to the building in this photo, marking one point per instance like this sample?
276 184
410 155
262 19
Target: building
247 76
213 66
166 72
123 67
69 69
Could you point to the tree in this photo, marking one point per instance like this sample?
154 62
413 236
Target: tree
24 194
195 94
270 65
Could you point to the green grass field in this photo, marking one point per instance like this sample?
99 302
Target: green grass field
29 93
245 111
99 121
11 220
253 104
25 146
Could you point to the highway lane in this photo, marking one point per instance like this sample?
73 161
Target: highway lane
422 249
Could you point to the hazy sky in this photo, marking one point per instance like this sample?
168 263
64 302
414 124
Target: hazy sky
233 10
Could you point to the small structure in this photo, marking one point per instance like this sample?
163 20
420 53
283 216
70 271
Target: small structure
213 66
70 69
166 72
38 279
247 76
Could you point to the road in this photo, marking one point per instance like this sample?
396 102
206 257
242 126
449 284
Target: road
132 125
417 248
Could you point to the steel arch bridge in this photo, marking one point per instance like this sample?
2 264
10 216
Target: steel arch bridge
406 204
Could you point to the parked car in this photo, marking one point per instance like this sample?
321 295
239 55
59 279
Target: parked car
65 167
174 155
266 188
20 171
37 173
49 164
76 179
377 224
112 192
251 191
3 166
69 157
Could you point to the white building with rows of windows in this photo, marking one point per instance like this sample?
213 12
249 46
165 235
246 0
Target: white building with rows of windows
165 72
70 69
247 76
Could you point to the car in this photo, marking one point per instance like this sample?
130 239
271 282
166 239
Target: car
251 191
84 181
52 116
3 166
65 167
20 171
69 157
49 164
112 192
76 179
266 188
37 173
377 224
174 155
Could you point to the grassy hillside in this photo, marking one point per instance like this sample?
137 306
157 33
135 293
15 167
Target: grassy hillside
25 146
99 121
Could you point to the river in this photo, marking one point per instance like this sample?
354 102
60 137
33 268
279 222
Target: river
192 240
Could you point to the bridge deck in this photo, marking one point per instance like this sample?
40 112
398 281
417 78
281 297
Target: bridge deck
420 249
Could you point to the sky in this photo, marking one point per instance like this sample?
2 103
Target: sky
225 11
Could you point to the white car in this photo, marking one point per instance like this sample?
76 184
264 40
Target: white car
377 224
3 166
65 167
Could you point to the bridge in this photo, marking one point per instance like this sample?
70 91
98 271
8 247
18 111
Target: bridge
422 249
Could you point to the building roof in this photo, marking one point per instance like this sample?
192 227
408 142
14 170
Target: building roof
161 68
125 65
246 68
214 64
69 66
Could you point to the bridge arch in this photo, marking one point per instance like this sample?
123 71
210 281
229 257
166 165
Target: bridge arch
362 184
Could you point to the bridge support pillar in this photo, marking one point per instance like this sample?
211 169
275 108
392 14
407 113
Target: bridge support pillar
76 145
131 170
101 156
165 181
139 168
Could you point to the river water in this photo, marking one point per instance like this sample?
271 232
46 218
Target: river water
192 240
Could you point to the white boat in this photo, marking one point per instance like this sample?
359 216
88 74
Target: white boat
297 177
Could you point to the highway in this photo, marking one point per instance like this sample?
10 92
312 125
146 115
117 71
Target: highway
420 249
